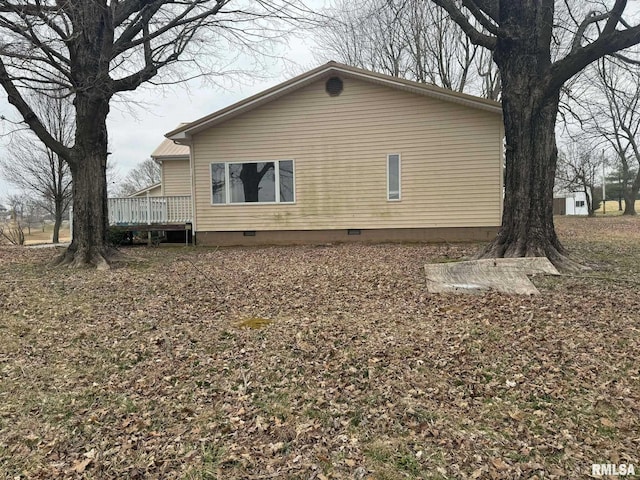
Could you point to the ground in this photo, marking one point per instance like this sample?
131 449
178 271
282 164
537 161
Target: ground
42 234
612 207
150 370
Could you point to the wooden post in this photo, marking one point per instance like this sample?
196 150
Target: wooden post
148 209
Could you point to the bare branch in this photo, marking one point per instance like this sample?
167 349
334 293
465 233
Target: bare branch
18 101
473 33
578 59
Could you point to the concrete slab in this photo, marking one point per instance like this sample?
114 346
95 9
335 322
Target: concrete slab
507 275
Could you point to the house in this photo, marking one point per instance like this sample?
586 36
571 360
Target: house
175 169
570 203
340 154
154 190
163 207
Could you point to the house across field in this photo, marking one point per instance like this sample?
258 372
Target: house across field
338 154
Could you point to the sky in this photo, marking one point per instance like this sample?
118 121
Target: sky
134 132
133 135
137 124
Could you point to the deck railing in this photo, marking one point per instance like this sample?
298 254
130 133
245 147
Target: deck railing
150 210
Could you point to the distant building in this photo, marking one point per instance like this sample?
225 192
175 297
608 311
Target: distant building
570 203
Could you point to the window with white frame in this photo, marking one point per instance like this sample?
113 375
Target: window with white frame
252 182
393 176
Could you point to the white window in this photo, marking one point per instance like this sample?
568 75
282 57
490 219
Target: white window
393 176
252 182
579 203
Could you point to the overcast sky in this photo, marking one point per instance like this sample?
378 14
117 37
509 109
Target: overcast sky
135 131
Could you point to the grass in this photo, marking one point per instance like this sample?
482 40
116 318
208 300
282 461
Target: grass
147 371
43 233
613 208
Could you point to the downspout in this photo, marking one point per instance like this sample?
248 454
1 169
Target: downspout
193 194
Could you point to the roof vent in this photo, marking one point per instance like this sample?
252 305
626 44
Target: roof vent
334 86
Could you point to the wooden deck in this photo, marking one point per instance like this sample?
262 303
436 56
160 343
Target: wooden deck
151 213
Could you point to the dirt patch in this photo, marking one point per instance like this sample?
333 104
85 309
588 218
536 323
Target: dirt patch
143 372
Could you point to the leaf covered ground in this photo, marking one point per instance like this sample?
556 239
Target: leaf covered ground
150 370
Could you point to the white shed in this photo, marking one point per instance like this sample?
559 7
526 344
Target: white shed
576 203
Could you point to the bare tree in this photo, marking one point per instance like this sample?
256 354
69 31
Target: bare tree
534 66
579 170
32 215
16 202
97 49
35 168
613 115
12 233
144 175
412 39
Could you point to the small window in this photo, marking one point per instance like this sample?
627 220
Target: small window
579 203
218 183
252 182
393 176
285 181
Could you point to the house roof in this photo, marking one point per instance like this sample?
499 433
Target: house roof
324 71
145 190
169 150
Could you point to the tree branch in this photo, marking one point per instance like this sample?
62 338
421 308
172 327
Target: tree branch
592 17
614 17
29 116
606 44
481 17
474 34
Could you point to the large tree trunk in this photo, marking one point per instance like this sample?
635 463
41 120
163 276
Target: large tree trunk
88 167
527 220
531 154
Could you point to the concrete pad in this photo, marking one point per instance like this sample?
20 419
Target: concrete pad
507 275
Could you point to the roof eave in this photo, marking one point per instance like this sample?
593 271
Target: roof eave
162 158
182 135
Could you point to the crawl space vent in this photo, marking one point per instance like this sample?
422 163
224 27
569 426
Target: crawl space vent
334 86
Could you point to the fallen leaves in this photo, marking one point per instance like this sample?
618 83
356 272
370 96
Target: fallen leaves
145 372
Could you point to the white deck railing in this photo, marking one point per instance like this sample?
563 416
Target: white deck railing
149 210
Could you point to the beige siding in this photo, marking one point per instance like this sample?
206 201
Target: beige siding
153 192
451 161
176 177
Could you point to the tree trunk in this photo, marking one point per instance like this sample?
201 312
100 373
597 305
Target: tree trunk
57 220
527 220
251 178
88 167
590 203
629 201
531 154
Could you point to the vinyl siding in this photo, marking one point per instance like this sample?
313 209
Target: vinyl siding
451 161
176 177
154 192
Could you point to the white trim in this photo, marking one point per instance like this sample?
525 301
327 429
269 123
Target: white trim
193 199
227 183
389 155
162 158
148 189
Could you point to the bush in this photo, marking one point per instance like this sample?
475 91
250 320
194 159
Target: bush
12 233
117 236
